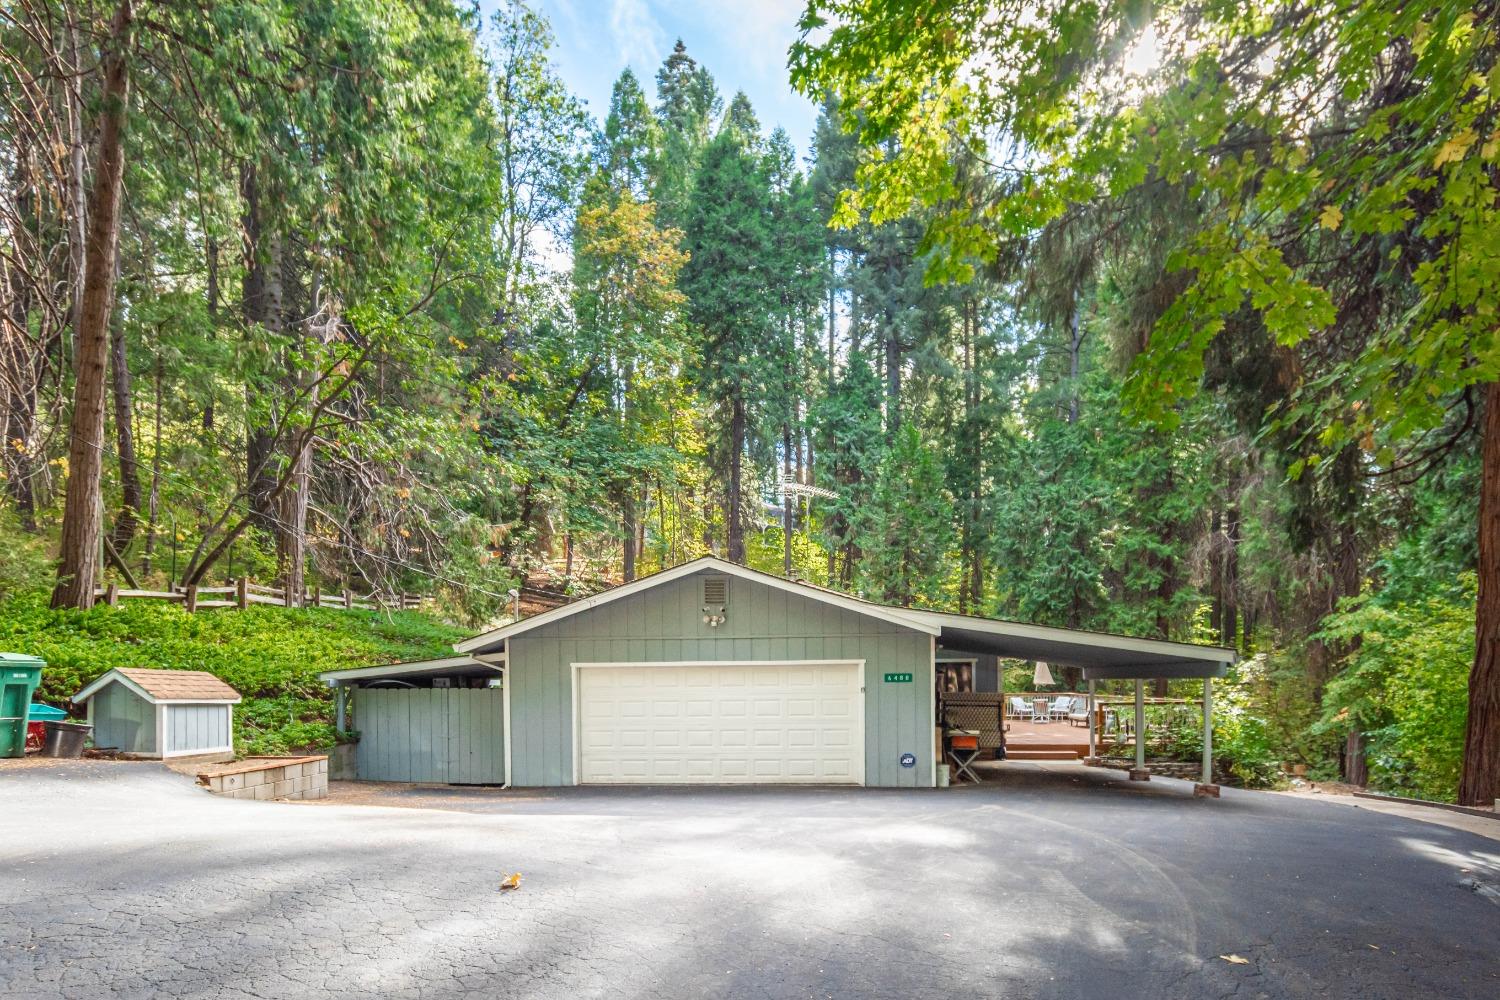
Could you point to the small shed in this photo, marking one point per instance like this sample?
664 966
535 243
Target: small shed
161 713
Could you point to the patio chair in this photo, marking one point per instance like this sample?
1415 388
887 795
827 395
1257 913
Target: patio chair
1060 707
1080 713
1020 709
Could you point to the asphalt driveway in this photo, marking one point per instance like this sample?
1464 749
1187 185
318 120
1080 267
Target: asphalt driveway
122 880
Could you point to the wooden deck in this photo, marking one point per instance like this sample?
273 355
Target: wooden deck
1045 740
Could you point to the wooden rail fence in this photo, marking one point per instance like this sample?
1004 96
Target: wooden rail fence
242 593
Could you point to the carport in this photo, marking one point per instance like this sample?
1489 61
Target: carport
441 721
1100 656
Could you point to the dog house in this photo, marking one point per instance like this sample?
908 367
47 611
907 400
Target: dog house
161 713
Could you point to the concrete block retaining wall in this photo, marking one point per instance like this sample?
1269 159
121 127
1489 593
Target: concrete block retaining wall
270 778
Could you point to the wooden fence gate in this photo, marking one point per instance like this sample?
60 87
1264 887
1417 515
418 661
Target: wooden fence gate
453 736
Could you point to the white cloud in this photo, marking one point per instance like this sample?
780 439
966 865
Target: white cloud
636 34
764 29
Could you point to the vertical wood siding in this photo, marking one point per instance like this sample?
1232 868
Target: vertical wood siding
195 727
762 623
124 720
445 735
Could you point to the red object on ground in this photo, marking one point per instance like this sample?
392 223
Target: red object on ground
36 733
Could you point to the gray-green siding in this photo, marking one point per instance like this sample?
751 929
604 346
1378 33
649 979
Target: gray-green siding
123 719
444 735
664 624
195 728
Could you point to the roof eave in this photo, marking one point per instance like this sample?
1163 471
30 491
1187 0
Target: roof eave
894 616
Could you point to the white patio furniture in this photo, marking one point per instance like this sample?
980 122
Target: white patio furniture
1020 709
1060 707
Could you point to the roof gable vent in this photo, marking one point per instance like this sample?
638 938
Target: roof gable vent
716 591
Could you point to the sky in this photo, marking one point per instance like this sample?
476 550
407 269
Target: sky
743 43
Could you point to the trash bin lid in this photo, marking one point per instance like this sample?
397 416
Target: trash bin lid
21 661
45 713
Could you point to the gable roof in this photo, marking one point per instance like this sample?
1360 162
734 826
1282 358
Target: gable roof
894 616
164 685
1101 654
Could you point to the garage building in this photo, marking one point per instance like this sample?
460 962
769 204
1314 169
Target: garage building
709 673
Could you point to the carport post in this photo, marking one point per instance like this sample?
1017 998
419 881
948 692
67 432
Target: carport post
340 703
1206 787
1093 749
1139 772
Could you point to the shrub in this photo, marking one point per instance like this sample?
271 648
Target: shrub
1406 687
272 656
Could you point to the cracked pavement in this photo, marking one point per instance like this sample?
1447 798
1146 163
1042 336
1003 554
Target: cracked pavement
125 880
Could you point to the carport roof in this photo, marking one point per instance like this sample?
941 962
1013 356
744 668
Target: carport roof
1101 655
446 666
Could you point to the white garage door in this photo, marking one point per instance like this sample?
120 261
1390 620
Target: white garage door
768 723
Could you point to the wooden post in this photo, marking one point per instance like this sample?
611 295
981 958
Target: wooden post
1093 747
112 593
191 600
348 598
242 593
289 595
1206 788
340 705
1139 772
317 597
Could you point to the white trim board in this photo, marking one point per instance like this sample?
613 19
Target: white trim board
856 663
901 617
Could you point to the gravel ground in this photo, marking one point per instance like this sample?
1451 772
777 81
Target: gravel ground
125 880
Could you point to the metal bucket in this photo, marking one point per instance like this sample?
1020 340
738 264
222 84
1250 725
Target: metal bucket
65 739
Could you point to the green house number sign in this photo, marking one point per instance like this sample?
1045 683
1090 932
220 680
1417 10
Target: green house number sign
898 678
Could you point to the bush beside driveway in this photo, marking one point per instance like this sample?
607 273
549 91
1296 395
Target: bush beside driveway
124 880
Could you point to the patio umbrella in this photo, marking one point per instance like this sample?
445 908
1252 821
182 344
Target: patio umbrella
1043 676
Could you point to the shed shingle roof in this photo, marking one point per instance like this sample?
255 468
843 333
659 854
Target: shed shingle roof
180 685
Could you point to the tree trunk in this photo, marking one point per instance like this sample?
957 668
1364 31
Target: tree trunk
20 357
261 302
1355 768
1231 615
892 380
291 528
211 253
733 514
1479 784
78 565
786 500
153 503
627 532
1075 351
130 470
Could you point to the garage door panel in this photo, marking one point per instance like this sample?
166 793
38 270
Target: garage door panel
695 723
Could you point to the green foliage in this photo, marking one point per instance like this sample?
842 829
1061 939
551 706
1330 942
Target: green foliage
1406 686
905 529
24 559
272 656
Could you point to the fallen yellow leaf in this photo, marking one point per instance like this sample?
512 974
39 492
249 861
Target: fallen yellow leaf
1235 959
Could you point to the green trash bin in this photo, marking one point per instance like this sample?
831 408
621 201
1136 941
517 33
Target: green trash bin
19 677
